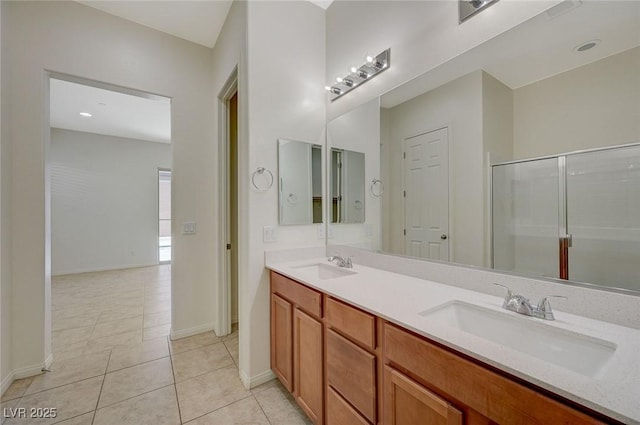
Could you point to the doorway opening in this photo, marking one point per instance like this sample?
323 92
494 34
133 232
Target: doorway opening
228 294
164 216
232 218
108 148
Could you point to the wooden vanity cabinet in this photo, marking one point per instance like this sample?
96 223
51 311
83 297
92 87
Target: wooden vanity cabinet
345 366
297 343
445 388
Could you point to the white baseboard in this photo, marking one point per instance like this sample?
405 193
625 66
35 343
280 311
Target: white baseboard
7 381
25 372
173 335
102 269
256 380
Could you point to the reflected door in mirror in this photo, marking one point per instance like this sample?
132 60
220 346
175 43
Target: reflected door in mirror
347 186
426 195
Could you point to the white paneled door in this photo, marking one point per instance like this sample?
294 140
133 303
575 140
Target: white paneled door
426 196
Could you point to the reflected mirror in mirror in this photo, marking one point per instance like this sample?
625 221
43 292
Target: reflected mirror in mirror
536 91
347 186
300 184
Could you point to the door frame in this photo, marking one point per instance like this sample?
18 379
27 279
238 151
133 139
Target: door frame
449 128
223 310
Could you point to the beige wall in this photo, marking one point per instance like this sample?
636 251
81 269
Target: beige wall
592 106
112 171
285 64
71 38
5 277
497 138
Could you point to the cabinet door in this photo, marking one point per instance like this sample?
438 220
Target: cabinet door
409 403
282 340
307 364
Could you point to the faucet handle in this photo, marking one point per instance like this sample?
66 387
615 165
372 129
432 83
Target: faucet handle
544 305
508 296
543 310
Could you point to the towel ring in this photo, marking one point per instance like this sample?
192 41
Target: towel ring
376 188
292 198
261 171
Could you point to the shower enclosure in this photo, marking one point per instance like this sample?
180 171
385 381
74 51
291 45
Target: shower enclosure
573 216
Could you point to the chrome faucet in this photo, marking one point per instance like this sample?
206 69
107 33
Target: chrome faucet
522 305
341 261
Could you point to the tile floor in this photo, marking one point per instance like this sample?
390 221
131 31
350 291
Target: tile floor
114 364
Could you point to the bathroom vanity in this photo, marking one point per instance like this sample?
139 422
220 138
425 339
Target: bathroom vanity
368 346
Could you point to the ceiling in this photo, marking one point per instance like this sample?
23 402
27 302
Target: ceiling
542 47
197 21
133 116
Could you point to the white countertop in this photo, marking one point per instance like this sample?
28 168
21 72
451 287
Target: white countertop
397 298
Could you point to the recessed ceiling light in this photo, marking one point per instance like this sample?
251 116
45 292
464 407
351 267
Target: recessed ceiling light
85 114
587 45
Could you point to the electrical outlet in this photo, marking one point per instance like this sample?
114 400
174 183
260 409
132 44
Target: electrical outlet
329 231
368 230
321 231
189 228
269 234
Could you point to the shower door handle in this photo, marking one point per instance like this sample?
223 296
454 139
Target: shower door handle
443 236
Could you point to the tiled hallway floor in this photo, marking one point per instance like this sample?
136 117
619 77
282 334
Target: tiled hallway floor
115 365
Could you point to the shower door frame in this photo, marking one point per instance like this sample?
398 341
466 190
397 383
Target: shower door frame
564 238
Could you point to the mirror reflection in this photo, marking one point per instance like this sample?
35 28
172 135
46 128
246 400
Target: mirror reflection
347 186
300 184
553 85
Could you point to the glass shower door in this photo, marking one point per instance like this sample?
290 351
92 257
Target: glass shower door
526 218
603 216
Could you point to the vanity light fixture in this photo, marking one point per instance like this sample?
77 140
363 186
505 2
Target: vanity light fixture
372 66
469 8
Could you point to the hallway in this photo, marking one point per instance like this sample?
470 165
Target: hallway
114 364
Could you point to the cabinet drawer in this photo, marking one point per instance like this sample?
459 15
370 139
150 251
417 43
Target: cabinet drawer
306 298
339 412
356 324
351 371
490 394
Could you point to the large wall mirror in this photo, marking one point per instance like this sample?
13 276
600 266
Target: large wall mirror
510 154
300 182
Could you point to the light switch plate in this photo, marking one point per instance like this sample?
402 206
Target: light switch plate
269 234
189 228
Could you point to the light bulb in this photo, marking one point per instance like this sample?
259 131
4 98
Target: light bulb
369 59
327 88
339 79
354 69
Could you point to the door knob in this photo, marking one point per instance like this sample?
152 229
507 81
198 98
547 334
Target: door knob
443 236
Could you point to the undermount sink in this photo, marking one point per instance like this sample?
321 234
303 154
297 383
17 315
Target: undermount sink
571 350
324 271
